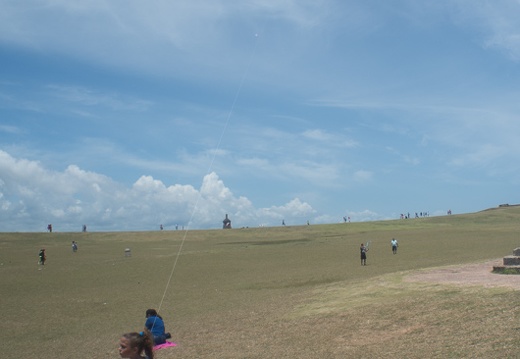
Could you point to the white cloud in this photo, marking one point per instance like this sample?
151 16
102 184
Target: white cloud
499 22
295 207
365 216
160 36
361 216
75 197
482 155
317 135
363 176
10 129
90 97
294 212
303 13
330 139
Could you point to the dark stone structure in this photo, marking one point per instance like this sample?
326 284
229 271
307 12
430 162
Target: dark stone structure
511 264
227 223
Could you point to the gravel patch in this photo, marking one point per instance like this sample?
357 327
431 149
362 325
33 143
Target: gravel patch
472 274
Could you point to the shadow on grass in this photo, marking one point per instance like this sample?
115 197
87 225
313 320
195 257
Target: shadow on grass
293 284
269 242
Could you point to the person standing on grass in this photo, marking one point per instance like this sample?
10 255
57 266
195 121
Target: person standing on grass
394 245
133 345
42 257
155 324
363 251
74 246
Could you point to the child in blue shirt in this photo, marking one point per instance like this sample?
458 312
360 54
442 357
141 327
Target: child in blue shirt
155 324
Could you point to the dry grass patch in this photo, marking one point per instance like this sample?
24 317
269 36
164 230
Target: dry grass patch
394 319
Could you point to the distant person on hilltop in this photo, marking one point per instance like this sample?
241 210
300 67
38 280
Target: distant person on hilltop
49 228
155 324
363 251
394 245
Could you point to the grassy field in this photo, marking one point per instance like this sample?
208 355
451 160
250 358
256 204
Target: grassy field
286 292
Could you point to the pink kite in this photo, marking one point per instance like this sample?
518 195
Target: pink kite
164 345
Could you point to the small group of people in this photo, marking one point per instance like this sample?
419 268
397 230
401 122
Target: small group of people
42 256
134 345
417 215
364 249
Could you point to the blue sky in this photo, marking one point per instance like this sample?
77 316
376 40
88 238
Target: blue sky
124 115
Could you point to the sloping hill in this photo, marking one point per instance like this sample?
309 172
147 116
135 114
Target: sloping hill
284 292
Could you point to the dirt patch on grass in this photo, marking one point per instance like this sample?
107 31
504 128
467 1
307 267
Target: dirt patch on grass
468 274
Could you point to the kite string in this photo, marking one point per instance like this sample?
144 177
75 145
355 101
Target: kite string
226 125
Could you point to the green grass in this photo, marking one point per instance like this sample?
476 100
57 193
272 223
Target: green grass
287 292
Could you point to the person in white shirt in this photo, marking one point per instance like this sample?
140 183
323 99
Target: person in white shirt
394 245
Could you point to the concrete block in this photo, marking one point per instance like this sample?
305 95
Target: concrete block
511 261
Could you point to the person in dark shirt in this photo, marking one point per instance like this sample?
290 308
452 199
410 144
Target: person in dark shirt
363 249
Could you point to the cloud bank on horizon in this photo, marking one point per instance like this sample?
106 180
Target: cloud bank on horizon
76 196
125 116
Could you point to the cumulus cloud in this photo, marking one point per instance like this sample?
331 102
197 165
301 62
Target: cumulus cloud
31 196
294 212
365 216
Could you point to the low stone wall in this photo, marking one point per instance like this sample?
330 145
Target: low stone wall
511 264
506 269
512 261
